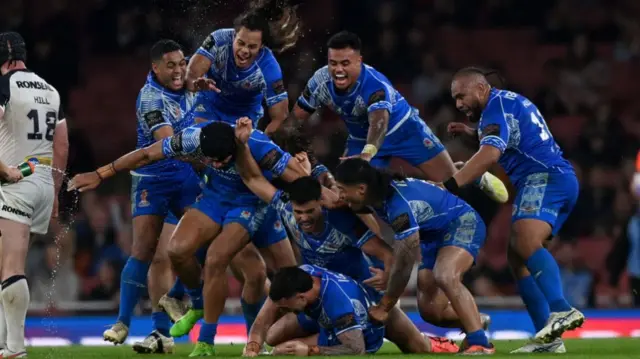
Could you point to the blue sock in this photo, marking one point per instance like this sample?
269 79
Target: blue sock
132 283
250 311
177 291
208 332
535 301
479 337
196 297
161 322
545 271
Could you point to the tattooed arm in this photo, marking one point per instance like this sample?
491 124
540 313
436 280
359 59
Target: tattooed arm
378 123
352 343
406 253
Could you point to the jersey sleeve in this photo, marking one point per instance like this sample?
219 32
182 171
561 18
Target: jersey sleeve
184 143
310 99
339 309
493 129
61 114
401 217
275 91
152 111
269 156
5 91
377 95
211 45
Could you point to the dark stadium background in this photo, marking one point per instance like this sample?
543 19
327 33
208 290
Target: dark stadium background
578 60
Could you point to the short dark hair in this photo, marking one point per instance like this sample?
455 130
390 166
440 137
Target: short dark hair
493 76
345 40
12 47
289 281
304 190
218 140
162 47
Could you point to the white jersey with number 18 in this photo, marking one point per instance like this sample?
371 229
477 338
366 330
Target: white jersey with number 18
31 111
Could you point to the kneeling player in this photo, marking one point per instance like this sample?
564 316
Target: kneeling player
335 304
420 211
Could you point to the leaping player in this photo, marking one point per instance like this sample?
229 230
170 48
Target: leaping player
380 122
32 127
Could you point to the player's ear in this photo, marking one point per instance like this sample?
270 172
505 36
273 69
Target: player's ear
362 189
154 67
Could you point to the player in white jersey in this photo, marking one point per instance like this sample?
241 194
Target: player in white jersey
32 126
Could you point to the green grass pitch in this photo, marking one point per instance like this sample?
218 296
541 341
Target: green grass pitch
576 349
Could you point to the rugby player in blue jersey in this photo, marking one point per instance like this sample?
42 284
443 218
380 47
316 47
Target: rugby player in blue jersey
224 213
419 211
336 310
237 65
512 132
380 121
160 188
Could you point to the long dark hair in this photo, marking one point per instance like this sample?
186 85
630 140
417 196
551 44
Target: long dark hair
276 19
355 171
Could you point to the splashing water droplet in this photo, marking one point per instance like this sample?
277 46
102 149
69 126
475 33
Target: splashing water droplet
48 320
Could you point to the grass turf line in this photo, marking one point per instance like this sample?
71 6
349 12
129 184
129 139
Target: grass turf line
621 348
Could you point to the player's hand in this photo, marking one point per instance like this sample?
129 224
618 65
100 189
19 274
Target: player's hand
11 175
293 347
84 182
303 159
243 130
365 156
379 279
378 313
203 84
460 129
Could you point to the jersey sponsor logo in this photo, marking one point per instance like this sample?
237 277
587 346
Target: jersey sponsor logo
400 223
153 118
376 97
143 199
208 43
491 130
278 226
176 143
428 143
15 211
270 159
346 321
33 85
278 87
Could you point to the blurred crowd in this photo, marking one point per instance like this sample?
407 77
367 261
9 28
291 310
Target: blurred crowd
576 59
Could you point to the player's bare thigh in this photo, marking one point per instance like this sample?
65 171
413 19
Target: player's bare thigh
15 244
288 328
250 265
529 235
281 254
437 169
401 331
194 230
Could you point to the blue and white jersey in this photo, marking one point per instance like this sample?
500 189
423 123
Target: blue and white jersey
156 107
372 91
226 183
338 247
515 126
419 206
343 305
242 90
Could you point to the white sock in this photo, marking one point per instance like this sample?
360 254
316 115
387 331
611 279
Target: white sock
15 299
3 325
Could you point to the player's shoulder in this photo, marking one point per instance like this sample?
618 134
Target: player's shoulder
26 79
507 100
321 76
221 37
268 63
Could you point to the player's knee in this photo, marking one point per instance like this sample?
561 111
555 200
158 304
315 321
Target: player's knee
216 265
178 252
529 235
516 263
272 338
446 278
